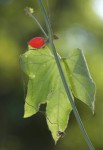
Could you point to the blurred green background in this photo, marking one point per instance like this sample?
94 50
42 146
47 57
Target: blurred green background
79 24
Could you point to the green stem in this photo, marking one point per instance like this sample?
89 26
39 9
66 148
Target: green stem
90 145
37 22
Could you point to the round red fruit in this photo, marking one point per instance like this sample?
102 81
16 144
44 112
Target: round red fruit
37 42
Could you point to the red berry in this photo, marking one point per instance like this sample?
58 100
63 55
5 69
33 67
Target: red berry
37 42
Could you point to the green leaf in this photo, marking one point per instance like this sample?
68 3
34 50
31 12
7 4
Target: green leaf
80 79
37 65
58 110
45 86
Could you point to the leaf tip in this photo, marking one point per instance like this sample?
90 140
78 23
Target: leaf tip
29 111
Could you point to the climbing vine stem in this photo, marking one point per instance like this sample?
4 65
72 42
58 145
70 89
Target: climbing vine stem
37 22
50 35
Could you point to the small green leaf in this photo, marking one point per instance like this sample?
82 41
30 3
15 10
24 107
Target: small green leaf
45 86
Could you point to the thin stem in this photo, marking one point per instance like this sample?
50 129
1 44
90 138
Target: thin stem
91 147
37 22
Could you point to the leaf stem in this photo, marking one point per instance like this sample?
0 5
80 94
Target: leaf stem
50 33
37 22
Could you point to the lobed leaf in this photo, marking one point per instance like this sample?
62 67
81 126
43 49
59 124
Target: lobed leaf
45 86
37 64
82 85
